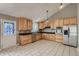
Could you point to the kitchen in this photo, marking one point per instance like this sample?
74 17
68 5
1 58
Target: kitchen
60 28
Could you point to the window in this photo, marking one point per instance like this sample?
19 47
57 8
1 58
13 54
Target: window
35 27
8 28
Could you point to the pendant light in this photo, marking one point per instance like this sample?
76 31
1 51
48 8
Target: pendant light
46 15
61 6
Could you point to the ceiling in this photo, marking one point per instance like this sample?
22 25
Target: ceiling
35 11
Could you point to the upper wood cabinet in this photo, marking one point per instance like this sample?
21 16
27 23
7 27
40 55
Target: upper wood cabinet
56 23
73 20
42 25
66 21
60 22
25 24
52 24
29 24
22 23
70 21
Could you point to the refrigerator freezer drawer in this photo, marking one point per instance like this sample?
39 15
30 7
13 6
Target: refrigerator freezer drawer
66 40
73 40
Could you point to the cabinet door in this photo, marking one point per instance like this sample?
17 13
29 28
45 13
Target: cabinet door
40 25
73 21
25 39
56 23
29 25
61 22
22 24
66 21
59 38
25 24
52 24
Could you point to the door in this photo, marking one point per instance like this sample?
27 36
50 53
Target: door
73 35
8 33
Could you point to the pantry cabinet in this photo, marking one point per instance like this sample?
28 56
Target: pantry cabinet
25 39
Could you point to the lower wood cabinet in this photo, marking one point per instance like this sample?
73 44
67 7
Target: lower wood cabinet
25 39
45 36
38 36
59 38
52 37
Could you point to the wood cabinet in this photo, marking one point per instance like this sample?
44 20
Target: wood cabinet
66 21
56 23
51 24
22 23
44 36
73 20
70 21
59 38
25 24
42 25
25 39
60 22
38 36
52 37
29 24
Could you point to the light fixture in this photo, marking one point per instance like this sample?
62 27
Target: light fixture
47 15
61 6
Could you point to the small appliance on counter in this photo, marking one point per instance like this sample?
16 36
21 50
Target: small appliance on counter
59 30
50 30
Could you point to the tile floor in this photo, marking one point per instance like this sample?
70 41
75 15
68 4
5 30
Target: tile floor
40 48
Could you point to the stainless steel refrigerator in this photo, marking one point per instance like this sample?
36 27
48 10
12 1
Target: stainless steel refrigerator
70 35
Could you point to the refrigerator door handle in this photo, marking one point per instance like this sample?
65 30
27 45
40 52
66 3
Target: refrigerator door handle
68 32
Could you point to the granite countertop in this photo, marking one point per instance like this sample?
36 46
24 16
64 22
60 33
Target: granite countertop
30 33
